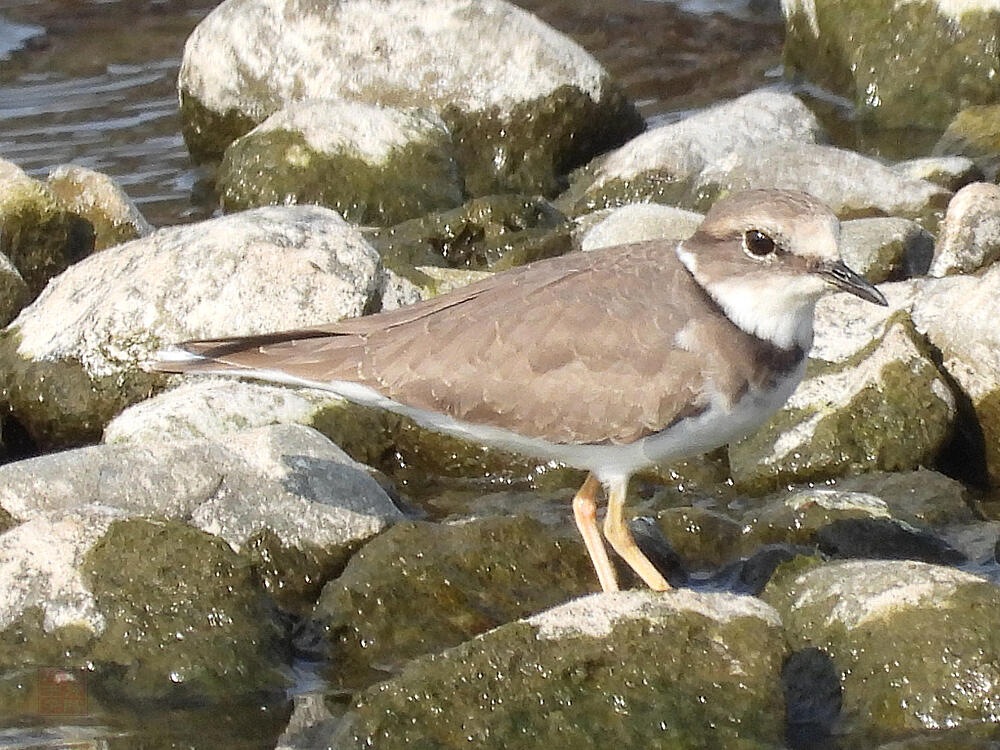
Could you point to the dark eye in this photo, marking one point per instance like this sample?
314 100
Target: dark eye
758 244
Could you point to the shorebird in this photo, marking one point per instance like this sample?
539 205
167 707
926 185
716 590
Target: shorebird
610 361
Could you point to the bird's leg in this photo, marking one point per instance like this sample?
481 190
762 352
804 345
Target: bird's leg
585 513
617 531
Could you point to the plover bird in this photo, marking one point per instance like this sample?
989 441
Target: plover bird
610 361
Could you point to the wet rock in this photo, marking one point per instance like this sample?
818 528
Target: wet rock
886 407
641 221
423 587
415 457
884 539
661 165
524 104
149 610
958 316
906 65
920 498
702 538
652 670
492 233
854 186
99 200
886 248
915 645
73 359
374 165
969 236
13 291
38 234
285 496
974 134
950 172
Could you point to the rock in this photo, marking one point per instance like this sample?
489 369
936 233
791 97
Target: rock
492 233
915 644
886 248
524 104
969 236
920 498
98 199
702 538
73 359
423 587
958 315
909 65
661 165
887 407
854 186
152 610
13 291
950 172
281 491
598 670
884 539
641 221
374 165
37 232
974 134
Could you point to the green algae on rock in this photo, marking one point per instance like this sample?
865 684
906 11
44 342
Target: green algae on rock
916 646
422 587
911 64
524 103
185 618
697 671
38 232
887 248
975 134
373 165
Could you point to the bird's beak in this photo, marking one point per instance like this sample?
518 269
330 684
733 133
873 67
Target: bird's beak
844 278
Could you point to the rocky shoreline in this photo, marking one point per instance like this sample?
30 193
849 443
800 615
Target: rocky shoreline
186 542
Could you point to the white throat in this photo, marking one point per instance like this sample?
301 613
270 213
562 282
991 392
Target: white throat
779 312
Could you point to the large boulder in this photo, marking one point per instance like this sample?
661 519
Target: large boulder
524 104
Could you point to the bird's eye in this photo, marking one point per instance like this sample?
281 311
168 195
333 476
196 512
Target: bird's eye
758 244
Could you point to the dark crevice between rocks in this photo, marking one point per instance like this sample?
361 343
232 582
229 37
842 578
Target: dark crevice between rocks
813 699
17 442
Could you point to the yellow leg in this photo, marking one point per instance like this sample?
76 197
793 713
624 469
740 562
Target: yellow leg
618 534
585 513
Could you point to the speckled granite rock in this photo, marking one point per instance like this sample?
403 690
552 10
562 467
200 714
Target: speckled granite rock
969 236
678 670
524 104
854 186
100 200
38 233
886 248
640 221
916 646
373 165
73 359
281 491
958 314
661 165
909 64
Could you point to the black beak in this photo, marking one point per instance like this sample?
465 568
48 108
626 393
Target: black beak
844 278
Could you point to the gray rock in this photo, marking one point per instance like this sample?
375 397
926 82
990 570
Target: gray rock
915 644
886 248
854 186
374 165
969 236
73 359
523 102
641 221
100 200
886 407
974 134
919 61
613 668
950 172
661 164
958 314
38 234
13 291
